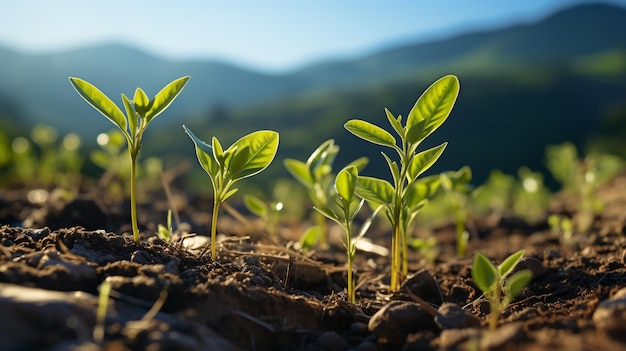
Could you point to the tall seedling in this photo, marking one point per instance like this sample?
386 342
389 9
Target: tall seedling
316 174
246 157
140 111
347 207
402 201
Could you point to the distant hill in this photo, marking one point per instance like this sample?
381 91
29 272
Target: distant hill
522 87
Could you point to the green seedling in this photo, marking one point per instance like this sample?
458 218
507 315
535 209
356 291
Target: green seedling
246 157
347 207
530 197
562 225
496 285
166 232
494 197
139 113
581 178
427 247
403 200
269 212
316 174
458 190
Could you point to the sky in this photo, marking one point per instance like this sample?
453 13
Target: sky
267 35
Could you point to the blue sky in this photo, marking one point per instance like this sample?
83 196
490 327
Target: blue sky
271 35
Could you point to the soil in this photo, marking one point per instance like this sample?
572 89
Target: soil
262 294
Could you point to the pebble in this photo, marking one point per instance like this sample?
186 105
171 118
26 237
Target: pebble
507 334
452 316
451 339
424 286
392 323
610 315
534 265
331 341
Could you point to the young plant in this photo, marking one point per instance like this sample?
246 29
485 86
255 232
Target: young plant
139 113
531 197
497 288
248 156
348 206
316 174
269 212
402 201
457 187
165 232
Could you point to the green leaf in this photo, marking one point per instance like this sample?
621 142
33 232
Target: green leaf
323 155
393 168
261 147
345 183
205 156
141 101
374 190
218 151
100 102
415 132
132 116
229 193
509 263
484 273
517 282
424 160
299 170
435 104
255 205
330 215
396 123
359 163
165 97
310 237
370 132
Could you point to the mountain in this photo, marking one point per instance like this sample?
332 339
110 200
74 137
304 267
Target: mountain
522 87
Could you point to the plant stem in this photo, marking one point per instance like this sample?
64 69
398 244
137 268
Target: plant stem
321 223
496 308
396 274
216 208
133 196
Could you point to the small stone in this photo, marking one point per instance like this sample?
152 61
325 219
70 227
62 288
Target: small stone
367 346
359 329
451 339
331 341
534 265
459 293
610 315
452 316
423 285
392 323
507 334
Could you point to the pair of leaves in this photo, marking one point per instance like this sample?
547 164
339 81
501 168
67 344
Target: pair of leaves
146 109
430 111
489 278
248 156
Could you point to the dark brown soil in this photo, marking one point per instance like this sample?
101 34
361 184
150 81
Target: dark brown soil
263 295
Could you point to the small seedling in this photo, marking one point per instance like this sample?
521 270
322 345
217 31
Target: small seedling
497 288
166 232
139 113
316 174
457 187
269 212
348 206
581 178
531 197
404 199
246 157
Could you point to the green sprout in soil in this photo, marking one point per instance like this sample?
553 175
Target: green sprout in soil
581 178
316 174
497 288
269 212
531 197
165 232
248 156
403 200
458 190
139 113
348 206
